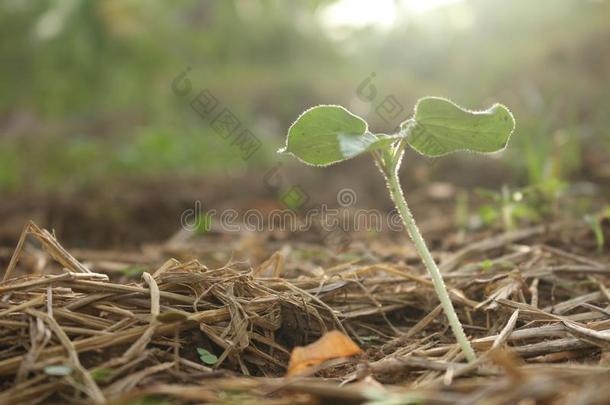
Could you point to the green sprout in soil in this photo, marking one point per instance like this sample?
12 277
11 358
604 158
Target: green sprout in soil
329 134
206 357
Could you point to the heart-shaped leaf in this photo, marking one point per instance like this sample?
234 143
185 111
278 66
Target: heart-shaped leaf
328 134
440 127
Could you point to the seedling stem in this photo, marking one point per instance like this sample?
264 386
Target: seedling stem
389 169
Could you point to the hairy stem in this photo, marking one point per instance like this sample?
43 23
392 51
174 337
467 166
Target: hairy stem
391 176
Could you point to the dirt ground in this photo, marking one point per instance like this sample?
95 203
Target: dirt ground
95 307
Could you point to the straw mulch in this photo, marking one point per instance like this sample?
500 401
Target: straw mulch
534 303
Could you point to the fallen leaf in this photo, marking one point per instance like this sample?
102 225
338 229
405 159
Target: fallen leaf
332 345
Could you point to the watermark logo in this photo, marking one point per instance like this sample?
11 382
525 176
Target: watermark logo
334 224
196 220
389 109
294 198
346 197
225 123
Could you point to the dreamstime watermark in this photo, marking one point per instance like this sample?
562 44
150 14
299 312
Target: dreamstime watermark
226 124
297 200
391 110
326 218
319 219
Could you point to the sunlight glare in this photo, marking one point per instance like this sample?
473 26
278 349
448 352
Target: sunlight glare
380 13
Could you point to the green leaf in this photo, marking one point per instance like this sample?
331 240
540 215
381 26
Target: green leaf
486 264
440 127
206 357
100 374
328 134
59 370
133 271
598 232
204 224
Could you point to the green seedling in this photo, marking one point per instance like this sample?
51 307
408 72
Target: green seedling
596 222
133 271
206 357
532 203
509 206
101 374
329 134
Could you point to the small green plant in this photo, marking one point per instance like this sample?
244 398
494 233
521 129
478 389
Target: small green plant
101 374
512 206
133 271
329 134
206 357
596 222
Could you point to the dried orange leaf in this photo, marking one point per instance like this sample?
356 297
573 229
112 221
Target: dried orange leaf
332 345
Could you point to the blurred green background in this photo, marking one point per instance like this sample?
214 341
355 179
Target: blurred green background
87 96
